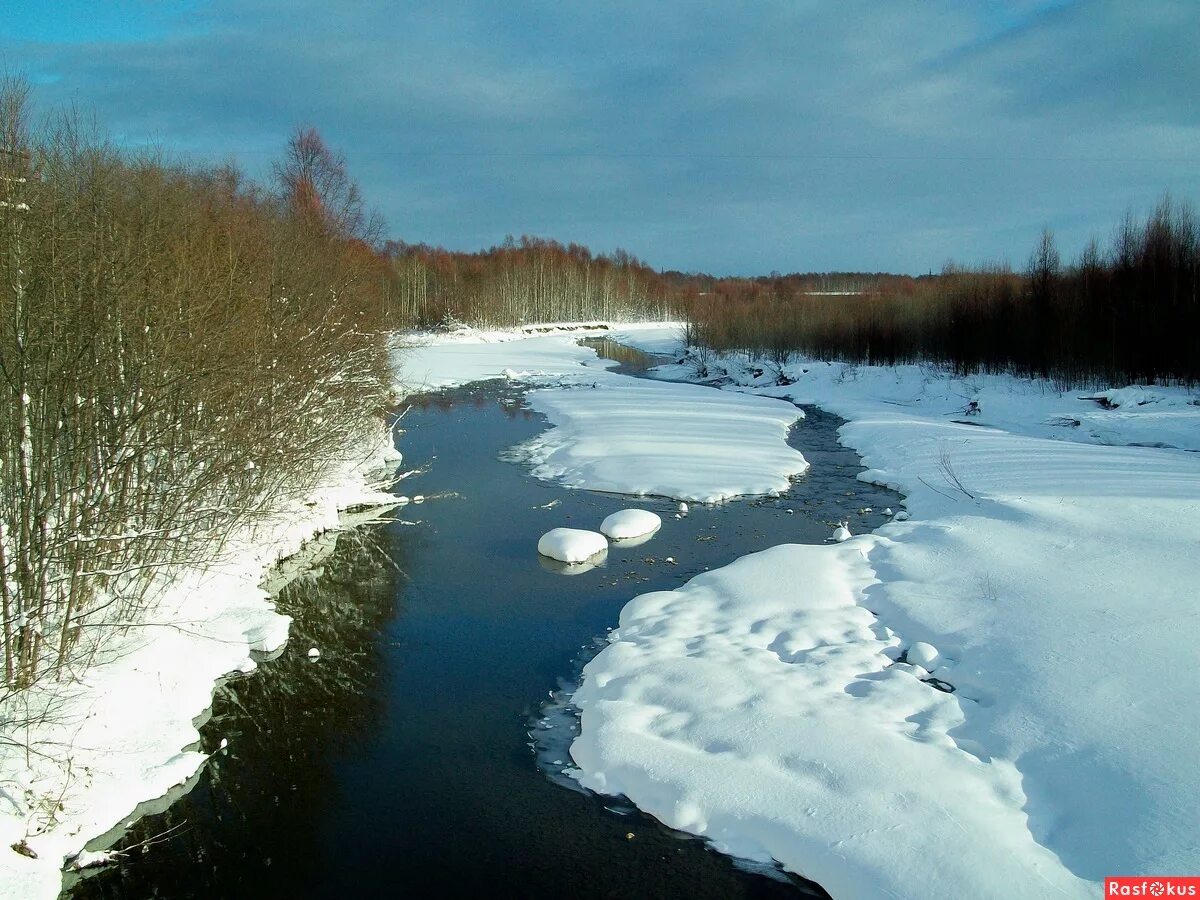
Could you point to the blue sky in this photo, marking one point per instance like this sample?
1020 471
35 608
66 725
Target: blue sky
733 137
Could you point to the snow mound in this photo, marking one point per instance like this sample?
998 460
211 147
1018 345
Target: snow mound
923 655
630 523
572 545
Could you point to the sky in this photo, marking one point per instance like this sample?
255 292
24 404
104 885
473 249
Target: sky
727 137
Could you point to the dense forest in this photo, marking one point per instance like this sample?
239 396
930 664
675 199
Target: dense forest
1128 312
182 348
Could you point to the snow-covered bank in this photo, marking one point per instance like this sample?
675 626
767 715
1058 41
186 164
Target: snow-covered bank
755 707
122 730
618 434
1054 570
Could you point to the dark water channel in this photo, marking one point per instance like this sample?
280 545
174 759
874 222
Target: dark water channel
399 763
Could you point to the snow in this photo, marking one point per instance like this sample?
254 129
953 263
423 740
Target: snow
88 859
923 655
1049 566
572 545
1147 416
757 709
630 523
649 438
614 433
432 361
120 728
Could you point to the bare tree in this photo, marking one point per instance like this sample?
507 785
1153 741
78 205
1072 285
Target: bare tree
320 193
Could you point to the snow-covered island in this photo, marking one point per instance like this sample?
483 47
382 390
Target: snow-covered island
995 694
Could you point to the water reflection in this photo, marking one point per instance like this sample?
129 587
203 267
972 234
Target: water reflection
632 361
246 827
561 568
444 401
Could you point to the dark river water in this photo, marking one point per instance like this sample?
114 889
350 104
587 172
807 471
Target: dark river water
400 763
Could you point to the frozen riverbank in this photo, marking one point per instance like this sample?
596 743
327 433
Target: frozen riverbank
120 731
1052 568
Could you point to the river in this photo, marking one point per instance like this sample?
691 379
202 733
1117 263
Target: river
403 760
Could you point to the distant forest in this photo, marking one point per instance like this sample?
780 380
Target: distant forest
526 280
1128 312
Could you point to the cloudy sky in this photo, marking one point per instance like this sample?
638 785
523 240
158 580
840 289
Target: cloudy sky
734 137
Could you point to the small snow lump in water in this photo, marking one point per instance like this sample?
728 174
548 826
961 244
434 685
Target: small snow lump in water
630 523
572 545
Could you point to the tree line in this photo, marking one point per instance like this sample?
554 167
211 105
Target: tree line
1125 313
527 280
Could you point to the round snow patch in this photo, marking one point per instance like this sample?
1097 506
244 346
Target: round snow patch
923 655
630 523
571 545
314 653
